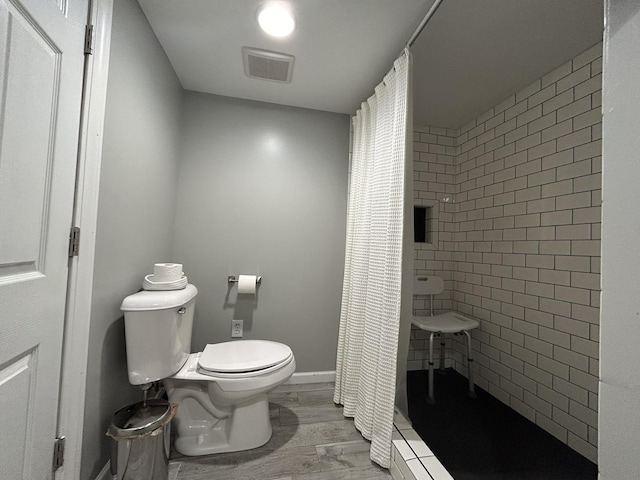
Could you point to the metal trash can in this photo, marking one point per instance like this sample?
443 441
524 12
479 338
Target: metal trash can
140 441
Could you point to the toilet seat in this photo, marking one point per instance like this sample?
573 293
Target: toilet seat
243 358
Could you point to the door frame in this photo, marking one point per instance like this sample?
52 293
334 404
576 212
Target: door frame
80 281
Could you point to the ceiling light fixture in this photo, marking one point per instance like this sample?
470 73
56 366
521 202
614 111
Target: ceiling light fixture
276 20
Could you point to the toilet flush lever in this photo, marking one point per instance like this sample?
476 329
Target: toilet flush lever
182 311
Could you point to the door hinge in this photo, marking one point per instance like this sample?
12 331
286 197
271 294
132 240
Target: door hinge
58 453
74 242
88 40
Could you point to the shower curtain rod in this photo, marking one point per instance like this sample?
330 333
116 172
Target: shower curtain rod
424 22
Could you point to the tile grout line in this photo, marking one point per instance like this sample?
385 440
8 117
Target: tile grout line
416 453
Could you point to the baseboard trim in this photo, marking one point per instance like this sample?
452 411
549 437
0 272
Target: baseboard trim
312 377
105 473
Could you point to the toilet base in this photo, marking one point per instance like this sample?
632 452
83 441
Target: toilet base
222 414
247 426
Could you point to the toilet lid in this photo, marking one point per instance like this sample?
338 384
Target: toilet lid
243 356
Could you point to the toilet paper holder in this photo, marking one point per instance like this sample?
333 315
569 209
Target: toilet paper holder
234 279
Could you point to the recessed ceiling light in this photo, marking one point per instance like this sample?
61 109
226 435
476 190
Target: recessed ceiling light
276 20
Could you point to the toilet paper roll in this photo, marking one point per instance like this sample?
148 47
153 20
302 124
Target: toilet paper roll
167 272
247 284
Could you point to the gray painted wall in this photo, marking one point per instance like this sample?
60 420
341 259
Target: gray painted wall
262 190
135 213
619 325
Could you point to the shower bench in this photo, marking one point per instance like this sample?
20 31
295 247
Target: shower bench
438 325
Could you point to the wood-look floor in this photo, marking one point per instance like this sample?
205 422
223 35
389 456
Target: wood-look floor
311 441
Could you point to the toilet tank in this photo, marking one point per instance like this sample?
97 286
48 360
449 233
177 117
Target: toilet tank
158 327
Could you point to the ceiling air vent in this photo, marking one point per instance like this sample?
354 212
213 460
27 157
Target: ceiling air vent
265 65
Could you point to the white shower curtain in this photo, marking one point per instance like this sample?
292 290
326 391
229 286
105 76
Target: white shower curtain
372 287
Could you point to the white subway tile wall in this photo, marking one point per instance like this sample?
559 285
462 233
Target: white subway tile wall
434 181
519 193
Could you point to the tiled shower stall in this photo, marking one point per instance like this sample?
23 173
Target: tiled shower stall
515 197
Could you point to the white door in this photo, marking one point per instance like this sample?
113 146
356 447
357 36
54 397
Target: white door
41 67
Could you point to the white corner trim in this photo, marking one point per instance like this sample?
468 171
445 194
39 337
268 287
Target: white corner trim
312 377
105 473
80 282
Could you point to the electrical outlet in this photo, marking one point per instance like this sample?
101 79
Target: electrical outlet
236 328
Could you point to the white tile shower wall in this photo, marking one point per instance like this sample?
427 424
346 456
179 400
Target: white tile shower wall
526 247
434 185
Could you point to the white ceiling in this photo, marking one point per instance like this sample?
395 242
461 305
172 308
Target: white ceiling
475 53
471 55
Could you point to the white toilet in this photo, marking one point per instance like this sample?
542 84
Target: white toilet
221 392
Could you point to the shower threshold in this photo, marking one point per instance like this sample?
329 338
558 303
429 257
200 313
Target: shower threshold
411 459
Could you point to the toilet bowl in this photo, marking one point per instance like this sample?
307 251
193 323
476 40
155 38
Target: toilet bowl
221 392
222 407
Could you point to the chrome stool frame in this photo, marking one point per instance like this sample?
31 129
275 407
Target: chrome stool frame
438 325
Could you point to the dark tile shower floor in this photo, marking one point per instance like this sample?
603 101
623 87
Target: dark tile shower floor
483 439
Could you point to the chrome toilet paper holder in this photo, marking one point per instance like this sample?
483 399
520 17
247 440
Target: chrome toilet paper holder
234 279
